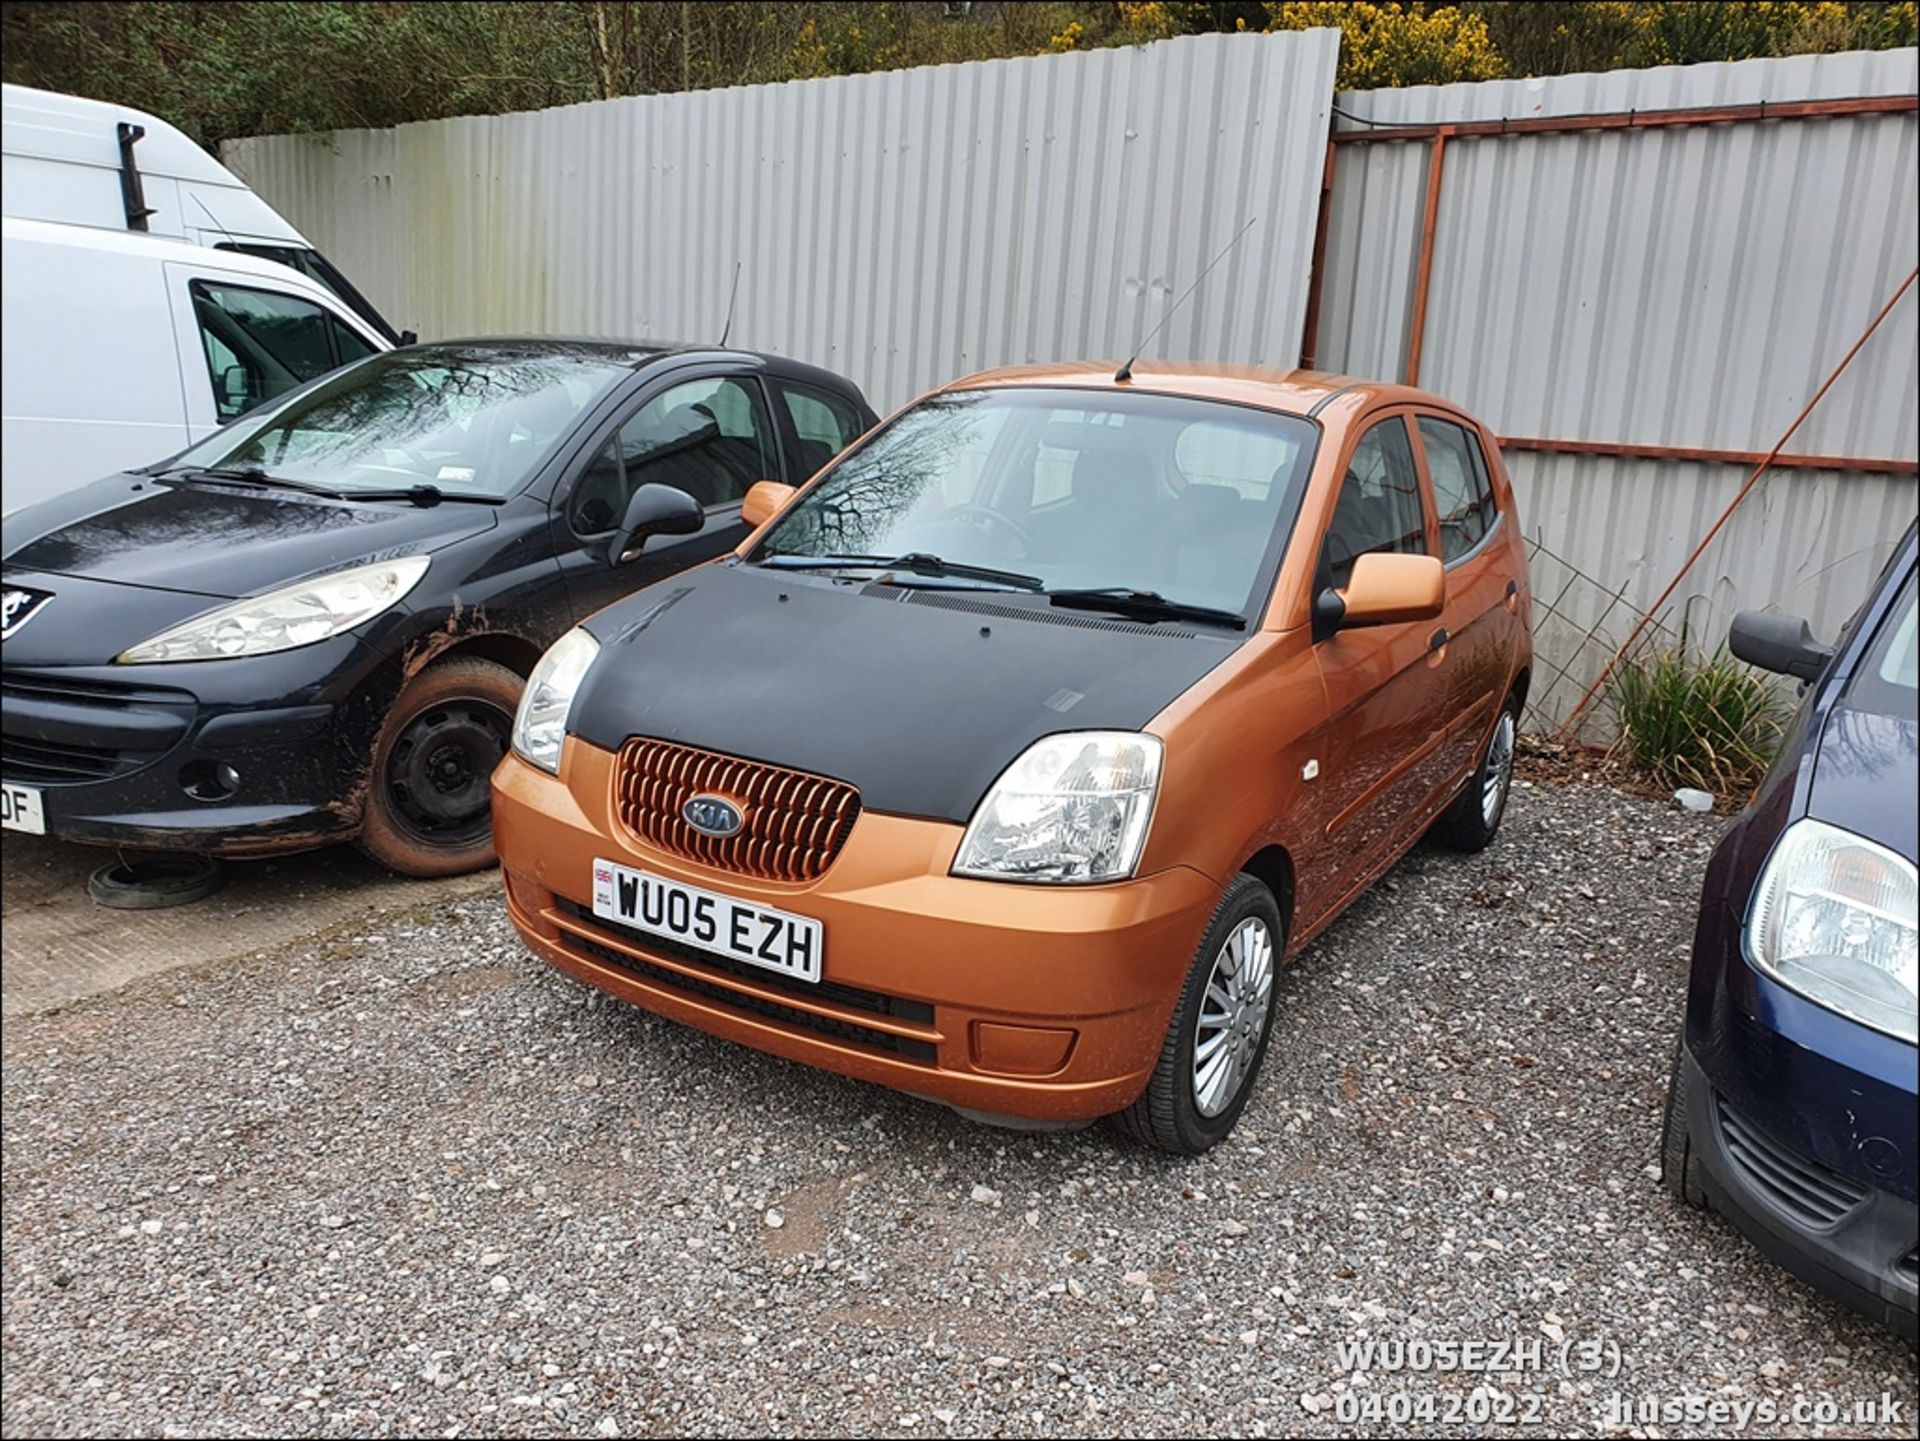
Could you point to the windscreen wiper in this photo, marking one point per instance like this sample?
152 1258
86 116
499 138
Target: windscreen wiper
917 562
422 495
248 475
1143 605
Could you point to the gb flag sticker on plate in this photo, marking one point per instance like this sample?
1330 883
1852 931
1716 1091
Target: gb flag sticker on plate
738 930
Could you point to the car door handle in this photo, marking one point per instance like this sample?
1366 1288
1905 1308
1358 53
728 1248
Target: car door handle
1439 639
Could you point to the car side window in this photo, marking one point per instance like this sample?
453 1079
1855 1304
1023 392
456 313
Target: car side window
710 437
1379 508
824 424
259 344
1461 491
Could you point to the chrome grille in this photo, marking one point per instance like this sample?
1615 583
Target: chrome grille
792 823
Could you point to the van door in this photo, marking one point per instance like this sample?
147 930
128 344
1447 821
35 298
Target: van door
92 384
242 341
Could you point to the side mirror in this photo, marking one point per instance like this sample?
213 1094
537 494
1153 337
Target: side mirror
1384 589
409 337
236 387
654 510
764 501
1783 644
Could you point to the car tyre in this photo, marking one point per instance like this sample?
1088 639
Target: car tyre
428 806
1679 1168
1473 820
1188 1108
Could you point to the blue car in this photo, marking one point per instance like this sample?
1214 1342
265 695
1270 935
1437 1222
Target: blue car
1792 1109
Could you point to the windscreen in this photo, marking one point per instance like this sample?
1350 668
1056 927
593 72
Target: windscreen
468 421
1186 498
1888 680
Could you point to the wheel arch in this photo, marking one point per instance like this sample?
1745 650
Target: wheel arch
1272 866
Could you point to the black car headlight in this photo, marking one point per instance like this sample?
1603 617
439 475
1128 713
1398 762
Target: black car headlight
303 613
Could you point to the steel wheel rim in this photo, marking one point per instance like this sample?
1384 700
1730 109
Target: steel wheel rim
1233 1016
1499 769
438 772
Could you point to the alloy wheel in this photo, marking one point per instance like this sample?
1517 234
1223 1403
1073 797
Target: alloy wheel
1497 775
1233 1016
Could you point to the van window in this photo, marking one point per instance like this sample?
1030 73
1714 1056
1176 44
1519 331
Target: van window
315 266
1461 492
348 343
260 343
1379 506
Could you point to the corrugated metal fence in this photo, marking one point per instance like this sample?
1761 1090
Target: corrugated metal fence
901 228
1676 287
1686 287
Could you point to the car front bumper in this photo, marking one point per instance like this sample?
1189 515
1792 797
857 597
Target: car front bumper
1849 1241
1035 1004
132 755
1804 1121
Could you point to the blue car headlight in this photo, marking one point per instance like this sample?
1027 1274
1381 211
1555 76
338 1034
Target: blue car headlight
1837 918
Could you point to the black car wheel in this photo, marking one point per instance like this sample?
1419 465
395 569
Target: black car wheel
1679 1171
1472 821
429 806
1218 1035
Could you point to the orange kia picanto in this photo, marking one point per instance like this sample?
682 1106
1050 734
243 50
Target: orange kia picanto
1008 758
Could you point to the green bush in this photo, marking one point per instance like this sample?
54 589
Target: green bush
1712 724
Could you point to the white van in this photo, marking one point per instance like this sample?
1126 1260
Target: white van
122 348
86 162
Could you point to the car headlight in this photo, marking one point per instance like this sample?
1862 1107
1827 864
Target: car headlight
1072 810
1834 917
540 725
295 615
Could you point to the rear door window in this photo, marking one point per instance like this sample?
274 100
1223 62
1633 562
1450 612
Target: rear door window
1379 509
260 343
1462 494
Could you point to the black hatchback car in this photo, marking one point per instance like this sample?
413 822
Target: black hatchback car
1793 1109
314 625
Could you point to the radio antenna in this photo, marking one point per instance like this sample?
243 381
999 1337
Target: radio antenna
727 329
1125 372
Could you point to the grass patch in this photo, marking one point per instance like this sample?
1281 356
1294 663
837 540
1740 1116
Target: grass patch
1714 724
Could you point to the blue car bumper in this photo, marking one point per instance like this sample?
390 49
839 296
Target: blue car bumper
1805 1125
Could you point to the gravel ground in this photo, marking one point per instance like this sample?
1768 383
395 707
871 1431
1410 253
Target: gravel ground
403 1179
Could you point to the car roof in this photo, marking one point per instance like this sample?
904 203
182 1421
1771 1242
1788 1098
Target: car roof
1292 392
637 353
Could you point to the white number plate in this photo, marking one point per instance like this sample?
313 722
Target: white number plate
20 810
773 940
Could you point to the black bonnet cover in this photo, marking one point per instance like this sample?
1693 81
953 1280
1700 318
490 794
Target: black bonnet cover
908 700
